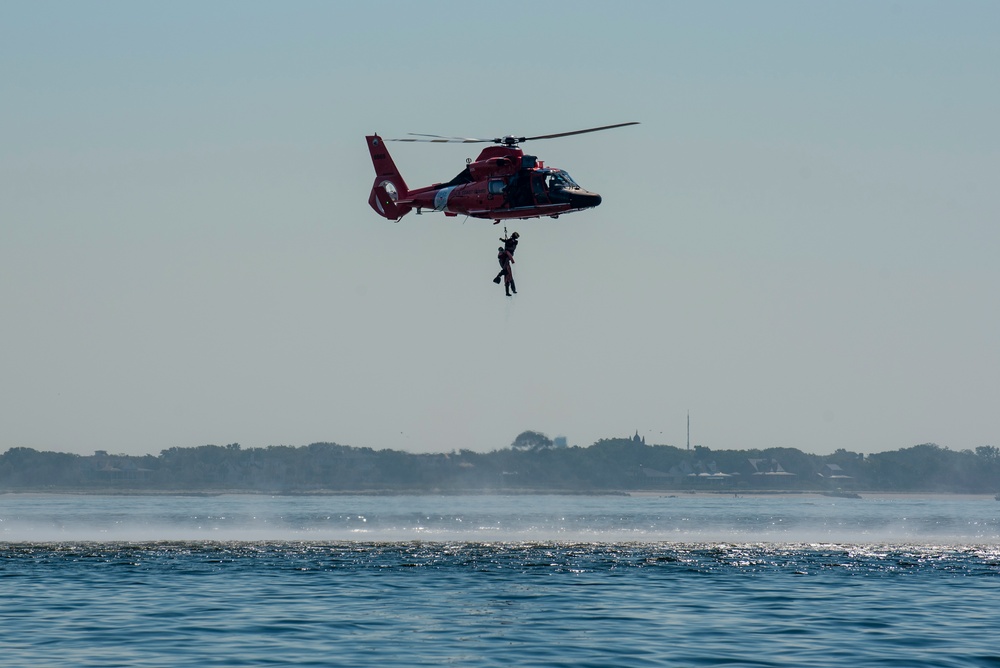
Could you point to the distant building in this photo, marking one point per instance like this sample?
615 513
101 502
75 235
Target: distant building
766 467
834 472
107 468
648 472
686 474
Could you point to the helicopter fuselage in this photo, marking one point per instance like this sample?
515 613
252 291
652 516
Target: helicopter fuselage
502 183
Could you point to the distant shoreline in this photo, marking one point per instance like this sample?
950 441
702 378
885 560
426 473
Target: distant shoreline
608 467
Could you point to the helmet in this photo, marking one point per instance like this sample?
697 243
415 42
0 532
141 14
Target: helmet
515 235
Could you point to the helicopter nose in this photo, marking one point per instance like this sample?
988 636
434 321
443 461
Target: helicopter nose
582 199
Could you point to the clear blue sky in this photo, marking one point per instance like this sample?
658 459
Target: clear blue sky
798 244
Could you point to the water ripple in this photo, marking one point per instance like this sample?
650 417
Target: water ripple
587 594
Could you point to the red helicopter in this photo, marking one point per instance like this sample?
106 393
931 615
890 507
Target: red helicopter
502 183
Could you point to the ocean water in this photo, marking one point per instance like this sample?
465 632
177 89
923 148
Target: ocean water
687 580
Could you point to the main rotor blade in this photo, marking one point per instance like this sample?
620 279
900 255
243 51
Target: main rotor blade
438 139
580 132
509 140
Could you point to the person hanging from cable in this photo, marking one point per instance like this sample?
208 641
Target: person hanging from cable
510 245
505 258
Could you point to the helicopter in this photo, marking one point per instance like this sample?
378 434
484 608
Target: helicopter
503 183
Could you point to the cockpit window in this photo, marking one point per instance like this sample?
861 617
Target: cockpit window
560 179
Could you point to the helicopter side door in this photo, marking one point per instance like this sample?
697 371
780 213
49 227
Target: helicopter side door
539 188
518 193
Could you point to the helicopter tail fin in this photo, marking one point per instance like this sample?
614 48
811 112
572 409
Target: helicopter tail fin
389 187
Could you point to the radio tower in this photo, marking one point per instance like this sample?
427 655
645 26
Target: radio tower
689 431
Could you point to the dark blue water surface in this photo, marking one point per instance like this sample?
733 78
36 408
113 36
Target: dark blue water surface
392 581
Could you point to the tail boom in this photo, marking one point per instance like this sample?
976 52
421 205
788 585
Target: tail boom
389 187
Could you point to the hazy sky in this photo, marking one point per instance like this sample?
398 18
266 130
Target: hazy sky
798 244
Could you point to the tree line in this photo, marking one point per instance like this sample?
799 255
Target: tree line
532 463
